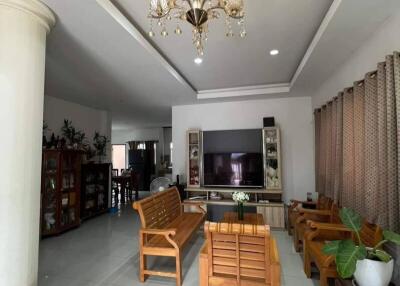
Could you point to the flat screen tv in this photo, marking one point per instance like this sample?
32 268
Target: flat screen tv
240 170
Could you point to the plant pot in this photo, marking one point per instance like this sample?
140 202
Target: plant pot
373 273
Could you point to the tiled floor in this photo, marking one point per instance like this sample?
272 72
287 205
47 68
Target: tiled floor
104 252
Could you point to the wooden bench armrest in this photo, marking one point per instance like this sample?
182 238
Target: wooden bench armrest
315 212
274 252
197 205
328 226
165 232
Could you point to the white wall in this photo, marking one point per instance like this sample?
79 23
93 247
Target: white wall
383 42
293 115
83 118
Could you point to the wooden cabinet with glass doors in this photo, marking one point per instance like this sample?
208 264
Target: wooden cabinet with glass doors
272 158
193 161
60 195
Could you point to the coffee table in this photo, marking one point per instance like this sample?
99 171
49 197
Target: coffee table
249 218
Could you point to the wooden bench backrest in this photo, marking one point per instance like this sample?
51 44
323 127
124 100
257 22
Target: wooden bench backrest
335 217
239 251
324 203
158 210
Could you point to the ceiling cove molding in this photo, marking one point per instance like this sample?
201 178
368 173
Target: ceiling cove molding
224 92
115 13
244 91
318 35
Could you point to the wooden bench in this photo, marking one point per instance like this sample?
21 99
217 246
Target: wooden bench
323 203
166 229
328 215
239 255
320 233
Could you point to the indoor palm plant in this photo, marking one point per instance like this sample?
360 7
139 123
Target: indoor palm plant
240 198
370 266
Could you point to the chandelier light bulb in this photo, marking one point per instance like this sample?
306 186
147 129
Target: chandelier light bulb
178 31
198 60
164 33
243 34
152 34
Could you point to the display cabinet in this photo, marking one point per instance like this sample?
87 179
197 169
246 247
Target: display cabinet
193 158
95 189
272 158
60 206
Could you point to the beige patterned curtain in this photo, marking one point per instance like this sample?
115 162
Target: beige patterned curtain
357 141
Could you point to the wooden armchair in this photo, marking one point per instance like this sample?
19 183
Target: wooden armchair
329 215
318 236
239 254
293 210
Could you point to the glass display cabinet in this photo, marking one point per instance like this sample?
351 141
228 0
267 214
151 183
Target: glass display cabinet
272 158
193 158
95 189
60 191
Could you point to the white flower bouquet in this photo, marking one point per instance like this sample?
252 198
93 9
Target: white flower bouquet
240 197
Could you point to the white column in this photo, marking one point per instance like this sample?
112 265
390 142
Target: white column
24 25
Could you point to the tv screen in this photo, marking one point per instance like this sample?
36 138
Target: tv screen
233 170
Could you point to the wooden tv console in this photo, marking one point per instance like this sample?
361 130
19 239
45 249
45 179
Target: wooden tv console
272 211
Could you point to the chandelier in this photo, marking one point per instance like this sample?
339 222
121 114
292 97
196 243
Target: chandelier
197 13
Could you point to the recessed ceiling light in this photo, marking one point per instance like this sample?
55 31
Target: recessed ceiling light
198 60
274 52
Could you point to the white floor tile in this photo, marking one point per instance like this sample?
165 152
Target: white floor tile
104 252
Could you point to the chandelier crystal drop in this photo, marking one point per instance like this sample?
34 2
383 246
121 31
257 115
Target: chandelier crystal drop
198 13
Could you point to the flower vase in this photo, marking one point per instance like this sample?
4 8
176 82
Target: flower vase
240 211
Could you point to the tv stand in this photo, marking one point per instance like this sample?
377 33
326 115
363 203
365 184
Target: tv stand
267 202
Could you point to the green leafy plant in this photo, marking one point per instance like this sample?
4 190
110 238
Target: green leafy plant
347 252
72 135
68 131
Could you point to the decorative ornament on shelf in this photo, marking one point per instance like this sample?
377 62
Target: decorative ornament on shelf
197 13
100 144
357 259
240 198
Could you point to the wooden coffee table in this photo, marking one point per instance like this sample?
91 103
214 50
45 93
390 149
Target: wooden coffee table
249 218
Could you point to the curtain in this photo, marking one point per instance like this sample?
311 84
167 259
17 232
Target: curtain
338 162
357 145
317 119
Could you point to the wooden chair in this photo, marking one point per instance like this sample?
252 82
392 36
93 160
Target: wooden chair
329 215
114 172
239 255
320 233
323 203
166 229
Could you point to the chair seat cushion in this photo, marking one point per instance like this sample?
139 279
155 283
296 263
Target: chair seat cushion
185 225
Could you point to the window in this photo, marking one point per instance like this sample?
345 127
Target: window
141 146
119 156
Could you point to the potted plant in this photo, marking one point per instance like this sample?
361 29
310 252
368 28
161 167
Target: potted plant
371 266
240 198
69 133
100 144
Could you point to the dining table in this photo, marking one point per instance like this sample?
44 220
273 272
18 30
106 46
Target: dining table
122 183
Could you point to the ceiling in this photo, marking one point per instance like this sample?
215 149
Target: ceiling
99 54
